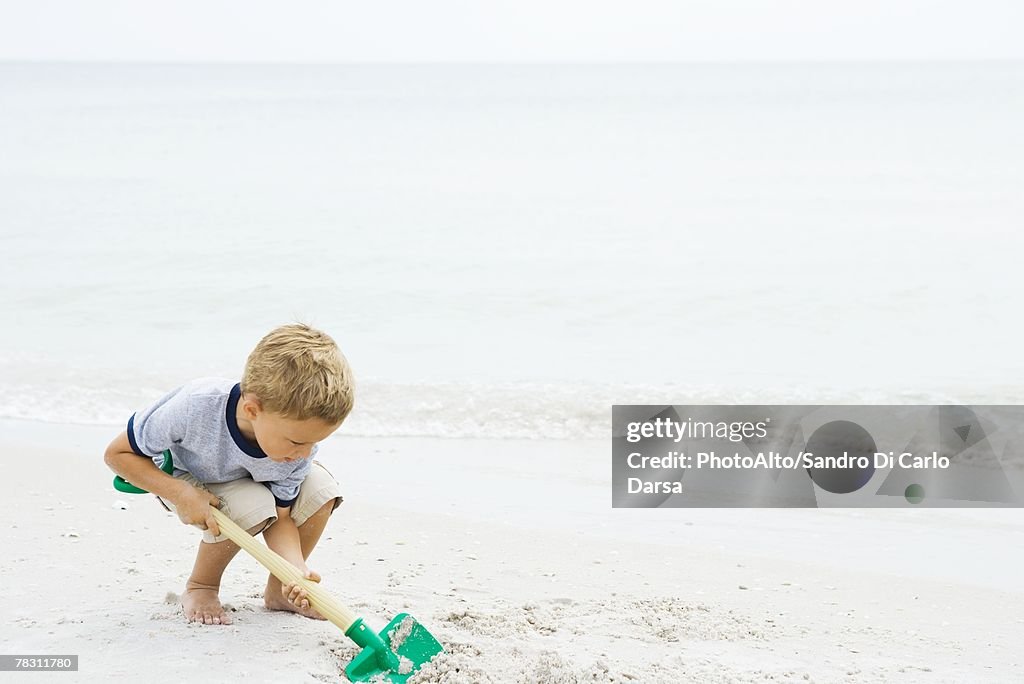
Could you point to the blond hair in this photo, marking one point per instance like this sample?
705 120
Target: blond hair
299 373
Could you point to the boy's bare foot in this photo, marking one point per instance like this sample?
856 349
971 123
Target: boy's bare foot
273 599
202 604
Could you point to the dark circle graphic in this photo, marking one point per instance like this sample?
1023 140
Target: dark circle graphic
914 493
845 442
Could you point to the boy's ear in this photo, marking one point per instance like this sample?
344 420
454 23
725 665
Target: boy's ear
251 406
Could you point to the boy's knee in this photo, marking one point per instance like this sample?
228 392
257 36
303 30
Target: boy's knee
259 527
330 506
324 510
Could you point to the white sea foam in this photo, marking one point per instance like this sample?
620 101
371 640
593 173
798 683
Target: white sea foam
462 410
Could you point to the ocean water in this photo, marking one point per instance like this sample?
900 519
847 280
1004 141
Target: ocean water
506 251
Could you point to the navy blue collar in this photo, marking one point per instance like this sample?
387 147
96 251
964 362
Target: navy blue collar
232 418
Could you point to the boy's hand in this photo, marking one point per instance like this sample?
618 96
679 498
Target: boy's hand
296 595
193 507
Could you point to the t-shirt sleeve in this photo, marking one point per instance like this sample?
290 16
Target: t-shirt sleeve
286 491
155 428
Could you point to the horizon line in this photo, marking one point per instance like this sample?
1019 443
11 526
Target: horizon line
682 62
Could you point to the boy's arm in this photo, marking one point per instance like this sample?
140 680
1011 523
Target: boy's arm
283 537
192 503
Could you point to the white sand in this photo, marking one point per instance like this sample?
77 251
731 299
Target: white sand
510 553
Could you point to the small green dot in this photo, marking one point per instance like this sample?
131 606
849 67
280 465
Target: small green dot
914 493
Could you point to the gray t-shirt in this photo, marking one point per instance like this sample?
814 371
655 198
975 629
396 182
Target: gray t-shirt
198 423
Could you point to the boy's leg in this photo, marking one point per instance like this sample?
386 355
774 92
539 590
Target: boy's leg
200 600
249 504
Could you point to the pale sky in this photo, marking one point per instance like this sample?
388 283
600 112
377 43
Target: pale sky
508 30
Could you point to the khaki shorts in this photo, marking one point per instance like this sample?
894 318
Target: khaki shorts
249 503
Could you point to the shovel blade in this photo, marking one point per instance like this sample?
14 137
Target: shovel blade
408 640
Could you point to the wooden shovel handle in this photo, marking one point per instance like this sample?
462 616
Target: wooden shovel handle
323 602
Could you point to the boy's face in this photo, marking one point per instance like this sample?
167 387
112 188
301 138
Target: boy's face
285 439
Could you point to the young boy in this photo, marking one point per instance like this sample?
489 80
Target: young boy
246 448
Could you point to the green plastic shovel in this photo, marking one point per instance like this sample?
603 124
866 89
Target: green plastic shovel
393 655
